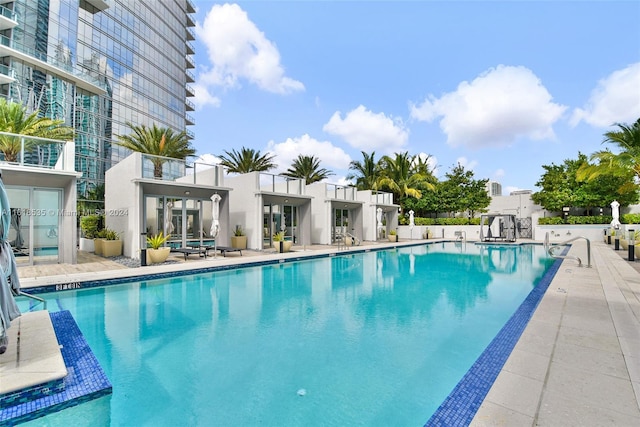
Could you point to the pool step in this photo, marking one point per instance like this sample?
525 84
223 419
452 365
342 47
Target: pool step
33 363
47 367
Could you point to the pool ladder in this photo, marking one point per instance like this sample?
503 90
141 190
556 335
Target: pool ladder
24 294
550 247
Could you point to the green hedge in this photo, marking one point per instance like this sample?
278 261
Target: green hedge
441 221
556 220
630 218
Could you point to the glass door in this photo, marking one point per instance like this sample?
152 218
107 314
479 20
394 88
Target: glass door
34 232
340 224
20 230
46 225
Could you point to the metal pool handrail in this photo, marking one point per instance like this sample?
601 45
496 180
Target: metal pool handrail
550 247
24 294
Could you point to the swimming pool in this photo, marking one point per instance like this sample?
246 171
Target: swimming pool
375 338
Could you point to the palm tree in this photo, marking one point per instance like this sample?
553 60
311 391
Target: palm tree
14 119
366 173
247 160
157 141
401 177
308 168
627 138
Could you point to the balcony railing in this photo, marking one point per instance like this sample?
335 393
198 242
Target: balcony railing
181 171
189 62
30 151
7 13
77 72
8 72
341 192
380 198
281 184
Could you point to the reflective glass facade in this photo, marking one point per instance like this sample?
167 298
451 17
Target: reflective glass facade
98 64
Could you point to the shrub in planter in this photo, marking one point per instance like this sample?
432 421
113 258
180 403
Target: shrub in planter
156 252
239 240
279 239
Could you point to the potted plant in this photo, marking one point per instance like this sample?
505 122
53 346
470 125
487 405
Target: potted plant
239 240
89 225
393 237
157 253
98 242
111 245
283 245
624 243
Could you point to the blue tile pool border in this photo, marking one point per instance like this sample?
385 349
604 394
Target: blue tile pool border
85 381
459 408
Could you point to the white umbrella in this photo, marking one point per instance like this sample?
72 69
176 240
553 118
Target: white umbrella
215 221
379 218
168 219
411 222
8 272
615 213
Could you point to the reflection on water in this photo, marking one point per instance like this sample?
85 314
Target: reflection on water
377 338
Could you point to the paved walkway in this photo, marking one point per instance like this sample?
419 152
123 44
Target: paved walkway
577 362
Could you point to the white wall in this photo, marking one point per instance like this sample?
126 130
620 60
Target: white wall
123 203
245 207
320 214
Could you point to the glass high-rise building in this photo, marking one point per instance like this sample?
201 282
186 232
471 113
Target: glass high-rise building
98 64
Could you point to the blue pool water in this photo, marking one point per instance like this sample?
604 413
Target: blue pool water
376 338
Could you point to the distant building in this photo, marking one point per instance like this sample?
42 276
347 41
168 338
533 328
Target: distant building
494 188
98 64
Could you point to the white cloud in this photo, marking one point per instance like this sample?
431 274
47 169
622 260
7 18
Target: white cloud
237 51
368 131
616 99
204 97
495 109
330 156
467 164
498 175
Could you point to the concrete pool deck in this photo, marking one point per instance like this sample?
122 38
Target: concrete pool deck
576 363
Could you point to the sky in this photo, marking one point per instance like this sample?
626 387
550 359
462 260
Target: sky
501 87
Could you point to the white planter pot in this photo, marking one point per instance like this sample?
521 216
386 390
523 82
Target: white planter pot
86 245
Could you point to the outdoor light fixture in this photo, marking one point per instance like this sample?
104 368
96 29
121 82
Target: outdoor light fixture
143 249
187 192
632 245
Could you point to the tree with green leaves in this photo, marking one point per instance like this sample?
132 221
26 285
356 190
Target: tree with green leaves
365 172
157 141
627 140
307 168
246 160
14 119
561 186
399 176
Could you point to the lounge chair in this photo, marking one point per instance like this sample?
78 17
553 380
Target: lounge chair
202 251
